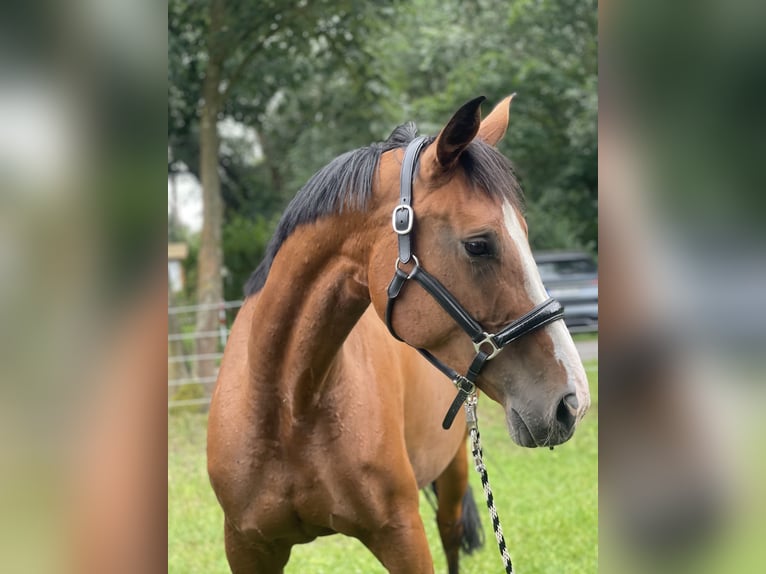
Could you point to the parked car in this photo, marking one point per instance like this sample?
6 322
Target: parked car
572 278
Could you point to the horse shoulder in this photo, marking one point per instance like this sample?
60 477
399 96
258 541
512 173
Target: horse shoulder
418 393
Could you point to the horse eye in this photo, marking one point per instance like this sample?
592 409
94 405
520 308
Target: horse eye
477 248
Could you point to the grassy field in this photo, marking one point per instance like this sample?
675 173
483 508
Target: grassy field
589 336
547 501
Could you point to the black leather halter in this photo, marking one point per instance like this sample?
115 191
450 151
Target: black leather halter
487 345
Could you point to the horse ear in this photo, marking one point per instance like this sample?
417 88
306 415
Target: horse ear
455 136
494 125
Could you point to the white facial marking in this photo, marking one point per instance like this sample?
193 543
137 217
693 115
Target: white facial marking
532 281
563 347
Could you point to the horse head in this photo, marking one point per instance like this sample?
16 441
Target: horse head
470 234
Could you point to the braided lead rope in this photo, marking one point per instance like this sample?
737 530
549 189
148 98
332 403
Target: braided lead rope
470 411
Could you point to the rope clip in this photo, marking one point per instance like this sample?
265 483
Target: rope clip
470 411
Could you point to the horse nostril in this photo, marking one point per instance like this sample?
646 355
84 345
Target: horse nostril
572 402
566 412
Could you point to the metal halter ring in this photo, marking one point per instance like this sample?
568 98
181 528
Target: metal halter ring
487 339
409 273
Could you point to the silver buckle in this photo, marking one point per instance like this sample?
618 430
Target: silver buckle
464 385
488 339
410 219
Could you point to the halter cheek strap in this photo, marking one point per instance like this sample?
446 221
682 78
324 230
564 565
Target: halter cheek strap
403 218
487 345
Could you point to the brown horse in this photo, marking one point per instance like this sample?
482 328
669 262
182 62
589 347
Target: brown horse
321 422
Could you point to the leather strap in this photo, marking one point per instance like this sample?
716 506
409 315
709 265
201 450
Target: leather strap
449 372
476 366
465 389
403 217
394 288
451 305
546 312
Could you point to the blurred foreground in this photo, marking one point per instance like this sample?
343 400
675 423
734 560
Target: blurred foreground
82 295
682 275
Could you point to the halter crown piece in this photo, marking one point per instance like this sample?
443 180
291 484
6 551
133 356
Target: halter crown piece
487 345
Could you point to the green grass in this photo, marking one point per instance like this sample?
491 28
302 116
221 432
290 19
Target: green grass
590 336
547 502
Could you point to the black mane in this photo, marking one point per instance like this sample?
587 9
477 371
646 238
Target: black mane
346 183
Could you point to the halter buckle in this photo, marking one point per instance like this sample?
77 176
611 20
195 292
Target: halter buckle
408 221
490 341
464 385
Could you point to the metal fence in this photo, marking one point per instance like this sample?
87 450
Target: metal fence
186 387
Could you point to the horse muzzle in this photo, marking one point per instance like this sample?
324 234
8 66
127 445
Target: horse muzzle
528 430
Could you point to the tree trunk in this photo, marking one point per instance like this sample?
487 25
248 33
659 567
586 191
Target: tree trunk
210 260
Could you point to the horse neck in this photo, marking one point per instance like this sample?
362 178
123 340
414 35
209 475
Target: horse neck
315 293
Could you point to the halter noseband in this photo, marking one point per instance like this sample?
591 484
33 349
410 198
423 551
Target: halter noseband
487 345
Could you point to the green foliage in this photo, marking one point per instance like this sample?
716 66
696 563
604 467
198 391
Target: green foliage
244 242
443 53
548 502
